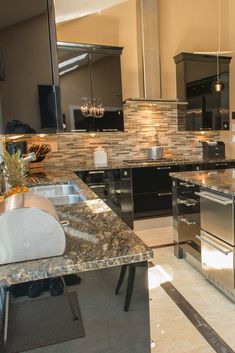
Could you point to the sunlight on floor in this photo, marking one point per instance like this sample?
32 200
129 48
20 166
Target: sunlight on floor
156 276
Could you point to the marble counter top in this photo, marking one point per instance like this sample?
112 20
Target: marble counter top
222 180
96 238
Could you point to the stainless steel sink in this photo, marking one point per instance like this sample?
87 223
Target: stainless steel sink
55 190
65 199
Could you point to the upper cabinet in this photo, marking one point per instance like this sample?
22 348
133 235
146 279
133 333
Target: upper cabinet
28 86
90 87
207 108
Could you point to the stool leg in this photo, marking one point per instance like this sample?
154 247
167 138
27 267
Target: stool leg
69 300
130 286
121 278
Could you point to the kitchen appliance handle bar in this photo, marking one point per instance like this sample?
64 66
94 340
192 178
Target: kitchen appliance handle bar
213 245
96 172
97 186
163 168
207 196
164 194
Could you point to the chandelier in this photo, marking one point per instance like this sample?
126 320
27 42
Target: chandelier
92 107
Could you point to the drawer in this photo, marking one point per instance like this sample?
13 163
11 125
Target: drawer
188 228
217 260
217 215
152 202
152 179
188 206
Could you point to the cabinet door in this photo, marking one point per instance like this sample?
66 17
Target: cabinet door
152 179
75 86
107 88
27 91
152 204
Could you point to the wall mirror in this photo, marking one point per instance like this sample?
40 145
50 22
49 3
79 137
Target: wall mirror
27 86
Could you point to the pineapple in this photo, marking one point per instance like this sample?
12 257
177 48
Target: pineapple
15 173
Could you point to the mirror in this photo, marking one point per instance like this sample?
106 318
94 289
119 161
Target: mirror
27 94
90 87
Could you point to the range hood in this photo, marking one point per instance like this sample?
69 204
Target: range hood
151 101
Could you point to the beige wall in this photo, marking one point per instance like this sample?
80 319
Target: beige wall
27 57
114 26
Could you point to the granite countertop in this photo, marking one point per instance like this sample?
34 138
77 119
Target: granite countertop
144 162
222 180
96 238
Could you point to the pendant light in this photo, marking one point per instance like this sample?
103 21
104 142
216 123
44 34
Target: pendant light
218 85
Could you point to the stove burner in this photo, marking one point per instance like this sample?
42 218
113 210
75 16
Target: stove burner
140 161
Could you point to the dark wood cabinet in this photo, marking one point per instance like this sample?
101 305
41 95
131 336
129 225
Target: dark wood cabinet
152 190
196 75
114 187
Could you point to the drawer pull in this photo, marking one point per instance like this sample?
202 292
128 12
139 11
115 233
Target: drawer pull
163 168
187 203
221 200
97 186
164 194
221 164
96 172
187 221
187 185
225 252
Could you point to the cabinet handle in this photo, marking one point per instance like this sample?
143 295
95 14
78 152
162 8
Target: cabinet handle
187 221
164 194
97 186
96 172
225 252
187 185
187 203
222 164
162 168
212 197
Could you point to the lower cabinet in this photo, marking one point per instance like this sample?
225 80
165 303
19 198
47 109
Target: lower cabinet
114 187
152 187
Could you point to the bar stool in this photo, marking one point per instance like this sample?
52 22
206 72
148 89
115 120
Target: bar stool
130 283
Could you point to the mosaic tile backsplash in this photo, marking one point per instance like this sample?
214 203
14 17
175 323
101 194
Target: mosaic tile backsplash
145 126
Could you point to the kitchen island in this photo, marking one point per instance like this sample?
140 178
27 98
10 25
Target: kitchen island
98 244
203 221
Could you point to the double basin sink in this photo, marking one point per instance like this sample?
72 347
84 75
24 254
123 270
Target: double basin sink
59 194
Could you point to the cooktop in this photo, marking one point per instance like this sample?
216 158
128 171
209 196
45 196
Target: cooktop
146 160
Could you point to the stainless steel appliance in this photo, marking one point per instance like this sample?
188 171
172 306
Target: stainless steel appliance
217 238
213 149
30 229
155 152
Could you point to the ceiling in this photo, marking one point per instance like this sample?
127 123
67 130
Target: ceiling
67 10
13 12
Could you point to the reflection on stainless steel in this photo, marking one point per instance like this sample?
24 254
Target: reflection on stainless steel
65 199
53 190
30 229
217 260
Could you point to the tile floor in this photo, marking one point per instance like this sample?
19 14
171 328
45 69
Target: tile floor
171 331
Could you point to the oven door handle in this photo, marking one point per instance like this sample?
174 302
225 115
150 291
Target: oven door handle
225 252
206 195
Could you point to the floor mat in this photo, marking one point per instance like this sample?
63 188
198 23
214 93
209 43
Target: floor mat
42 322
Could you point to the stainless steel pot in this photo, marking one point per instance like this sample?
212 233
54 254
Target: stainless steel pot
155 152
29 229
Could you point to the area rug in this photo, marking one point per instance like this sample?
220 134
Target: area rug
42 322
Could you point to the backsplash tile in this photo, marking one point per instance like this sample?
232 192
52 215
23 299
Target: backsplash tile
145 126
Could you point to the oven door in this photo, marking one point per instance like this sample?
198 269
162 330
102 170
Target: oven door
217 215
217 261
